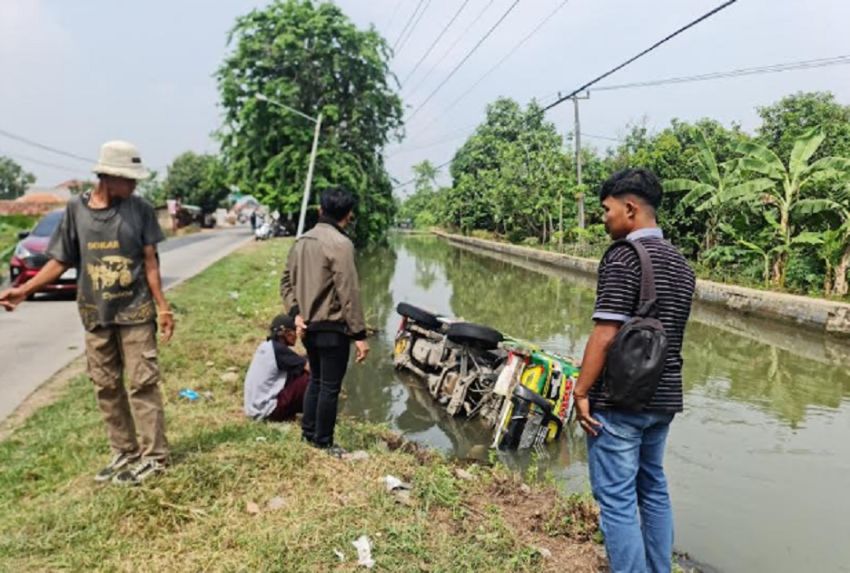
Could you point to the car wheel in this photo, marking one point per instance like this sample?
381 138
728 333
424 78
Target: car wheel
419 316
474 335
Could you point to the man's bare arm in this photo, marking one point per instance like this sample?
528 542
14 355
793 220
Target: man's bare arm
592 365
12 297
154 279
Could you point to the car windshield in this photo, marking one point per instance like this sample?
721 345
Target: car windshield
47 224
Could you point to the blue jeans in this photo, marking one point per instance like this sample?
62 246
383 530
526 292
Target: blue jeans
627 478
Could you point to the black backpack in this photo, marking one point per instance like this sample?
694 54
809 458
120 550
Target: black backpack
636 357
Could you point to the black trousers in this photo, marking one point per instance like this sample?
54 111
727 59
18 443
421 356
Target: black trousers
328 354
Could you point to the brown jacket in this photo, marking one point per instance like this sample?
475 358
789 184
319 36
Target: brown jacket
320 281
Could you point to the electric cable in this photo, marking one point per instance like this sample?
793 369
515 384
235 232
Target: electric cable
435 42
450 49
466 57
641 54
413 28
44 147
517 46
757 70
407 25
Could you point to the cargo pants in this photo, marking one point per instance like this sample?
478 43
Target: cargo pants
123 365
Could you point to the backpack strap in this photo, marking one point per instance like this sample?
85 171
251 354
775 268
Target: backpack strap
648 296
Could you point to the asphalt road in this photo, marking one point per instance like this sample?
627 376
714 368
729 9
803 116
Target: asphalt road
43 335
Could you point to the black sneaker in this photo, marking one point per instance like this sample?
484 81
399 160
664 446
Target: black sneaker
118 463
139 473
336 451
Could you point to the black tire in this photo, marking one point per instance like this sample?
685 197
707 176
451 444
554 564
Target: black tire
474 335
419 316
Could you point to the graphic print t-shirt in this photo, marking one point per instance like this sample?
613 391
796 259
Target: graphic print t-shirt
107 247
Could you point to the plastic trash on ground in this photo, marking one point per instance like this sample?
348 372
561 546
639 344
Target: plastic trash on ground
364 551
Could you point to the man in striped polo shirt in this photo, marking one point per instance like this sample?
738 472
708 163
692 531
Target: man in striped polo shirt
625 448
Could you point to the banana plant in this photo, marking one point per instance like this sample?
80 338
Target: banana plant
779 200
716 186
833 244
743 247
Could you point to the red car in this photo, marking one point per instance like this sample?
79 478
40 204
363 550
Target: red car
29 256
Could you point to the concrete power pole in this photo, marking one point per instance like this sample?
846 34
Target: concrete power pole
580 196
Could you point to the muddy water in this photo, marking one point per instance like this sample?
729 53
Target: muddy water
759 463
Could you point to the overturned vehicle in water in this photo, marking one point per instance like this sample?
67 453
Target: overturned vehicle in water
522 392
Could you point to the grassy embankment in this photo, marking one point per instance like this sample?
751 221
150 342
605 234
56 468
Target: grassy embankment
212 511
596 248
10 226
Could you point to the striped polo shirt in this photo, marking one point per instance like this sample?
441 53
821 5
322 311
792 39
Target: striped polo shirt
617 296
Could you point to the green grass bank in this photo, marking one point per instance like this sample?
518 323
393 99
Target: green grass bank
247 496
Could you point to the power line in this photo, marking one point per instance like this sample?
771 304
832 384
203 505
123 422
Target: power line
435 42
391 21
413 28
43 163
407 25
757 70
641 54
603 137
413 179
428 145
517 46
451 48
32 143
465 58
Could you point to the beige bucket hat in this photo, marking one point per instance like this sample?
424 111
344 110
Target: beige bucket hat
120 159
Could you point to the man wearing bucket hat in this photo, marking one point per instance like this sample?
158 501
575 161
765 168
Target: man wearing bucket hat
110 236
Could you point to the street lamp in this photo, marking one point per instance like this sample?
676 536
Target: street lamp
309 181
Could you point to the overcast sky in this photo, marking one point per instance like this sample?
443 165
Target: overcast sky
77 73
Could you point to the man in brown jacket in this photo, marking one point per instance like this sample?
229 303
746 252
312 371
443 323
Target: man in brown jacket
321 290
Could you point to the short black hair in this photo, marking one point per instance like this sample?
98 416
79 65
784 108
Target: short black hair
337 202
280 323
640 182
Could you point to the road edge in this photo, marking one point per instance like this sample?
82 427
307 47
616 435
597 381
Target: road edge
51 389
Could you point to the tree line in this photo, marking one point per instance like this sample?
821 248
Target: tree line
771 208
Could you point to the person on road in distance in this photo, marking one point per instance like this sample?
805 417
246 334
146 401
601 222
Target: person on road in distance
277 379
321 289
110 235
626 447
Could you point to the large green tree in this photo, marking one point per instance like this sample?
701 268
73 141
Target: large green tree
197 180
510 175
313 59
421 207
14 180
791 117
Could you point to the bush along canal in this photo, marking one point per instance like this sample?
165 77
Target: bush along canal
758 462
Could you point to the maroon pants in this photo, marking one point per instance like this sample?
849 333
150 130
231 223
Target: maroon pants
290 401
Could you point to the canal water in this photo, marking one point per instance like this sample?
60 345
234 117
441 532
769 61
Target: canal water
759 462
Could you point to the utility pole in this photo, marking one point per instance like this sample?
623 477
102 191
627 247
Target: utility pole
318 121
580 195
307 184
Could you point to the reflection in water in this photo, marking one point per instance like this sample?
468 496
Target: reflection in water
771 378
758 461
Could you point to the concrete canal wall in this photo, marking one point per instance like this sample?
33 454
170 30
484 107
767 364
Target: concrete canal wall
814 314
